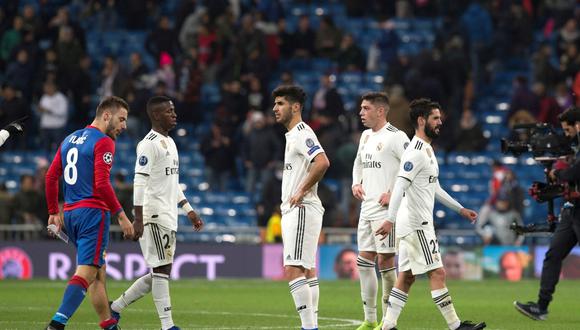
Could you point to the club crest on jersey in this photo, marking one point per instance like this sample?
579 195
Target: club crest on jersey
379 146
108 157
309 143
163 144
143 160
408 166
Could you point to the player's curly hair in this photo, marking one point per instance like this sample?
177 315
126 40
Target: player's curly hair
293 94
421 108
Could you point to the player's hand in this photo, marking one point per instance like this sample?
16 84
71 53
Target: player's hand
358 192
55 219
17 126
470 215
296 200
137 229
126 226
384 229
385 198
195 220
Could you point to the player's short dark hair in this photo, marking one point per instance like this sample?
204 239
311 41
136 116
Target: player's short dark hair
421 108
570 116
154 102
292 93
113 103
380 98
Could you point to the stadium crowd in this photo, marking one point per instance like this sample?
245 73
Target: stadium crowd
245 47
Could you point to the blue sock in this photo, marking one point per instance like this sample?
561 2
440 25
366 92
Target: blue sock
73 297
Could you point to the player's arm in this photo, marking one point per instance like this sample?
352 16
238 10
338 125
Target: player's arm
318 167
357 188
191 214
401 185
444 198
103 153
143 167
51 190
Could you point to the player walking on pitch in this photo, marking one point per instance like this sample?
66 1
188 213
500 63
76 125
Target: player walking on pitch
156 195
84 159
418 246
373 176
304 166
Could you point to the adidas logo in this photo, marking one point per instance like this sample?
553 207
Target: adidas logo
301 308
167 309
167 153
288 257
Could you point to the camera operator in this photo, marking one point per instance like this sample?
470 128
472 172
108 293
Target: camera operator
567 234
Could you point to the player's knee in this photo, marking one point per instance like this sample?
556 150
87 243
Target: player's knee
438 275
293 272
408 279
386 260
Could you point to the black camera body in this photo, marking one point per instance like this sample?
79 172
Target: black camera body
546 146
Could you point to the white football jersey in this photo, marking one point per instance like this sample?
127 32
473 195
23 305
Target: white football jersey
376 166
301 147
157 157
418 165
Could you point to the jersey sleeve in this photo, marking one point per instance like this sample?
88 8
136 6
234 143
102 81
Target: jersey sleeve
145 158
104 153
411 163
357 166
51 183
308 145
400 143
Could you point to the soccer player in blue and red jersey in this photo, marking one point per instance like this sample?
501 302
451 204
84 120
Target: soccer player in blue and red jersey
84 160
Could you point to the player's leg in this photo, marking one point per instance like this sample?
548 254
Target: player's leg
398 298
300 240
314 286
161 296
386 259
98 295
88 231
136 291
367 275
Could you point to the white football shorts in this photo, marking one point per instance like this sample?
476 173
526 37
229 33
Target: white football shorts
301 228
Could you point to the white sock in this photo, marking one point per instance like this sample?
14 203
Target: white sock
397 300
389 277
138 289
303 300
162 299
314 293
443 301
368 287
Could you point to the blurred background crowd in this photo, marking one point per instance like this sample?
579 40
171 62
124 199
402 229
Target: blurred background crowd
489 63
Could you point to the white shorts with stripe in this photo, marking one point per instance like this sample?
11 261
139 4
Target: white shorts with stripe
300 232
157 245
369 242
419 252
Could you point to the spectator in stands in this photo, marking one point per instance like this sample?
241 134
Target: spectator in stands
328 38
522 97
494 226
20 73
399 112
326 100
287 78
69 53
5 205
234 101
543 69
562 96
166 73
25 206
10 39
162 39
48 70
30 45
261 149
189 89
53 110
218 149
82 89
62 18
469 136
569 62
256 97
568 34
548 106
182 12
249 38
285 40
270 197
190 28
31 21
303 39
114 79
350 56
515 31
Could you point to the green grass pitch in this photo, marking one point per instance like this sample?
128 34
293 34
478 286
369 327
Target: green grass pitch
257 304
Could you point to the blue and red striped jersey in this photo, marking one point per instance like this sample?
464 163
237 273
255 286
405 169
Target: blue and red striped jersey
84 160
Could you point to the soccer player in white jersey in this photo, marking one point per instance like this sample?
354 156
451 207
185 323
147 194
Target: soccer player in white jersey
373 176
304 166
156 196
418 246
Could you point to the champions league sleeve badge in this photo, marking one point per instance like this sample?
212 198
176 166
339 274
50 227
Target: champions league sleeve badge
408 166
143 160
